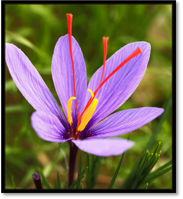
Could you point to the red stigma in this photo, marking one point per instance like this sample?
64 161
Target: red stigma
69 25
105 40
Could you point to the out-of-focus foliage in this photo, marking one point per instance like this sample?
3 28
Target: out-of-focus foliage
35 29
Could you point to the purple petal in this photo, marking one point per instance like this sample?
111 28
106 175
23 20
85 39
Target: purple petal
122 84
63 74
123 122
48 127
104 147
30 83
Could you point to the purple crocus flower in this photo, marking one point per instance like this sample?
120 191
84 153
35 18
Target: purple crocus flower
86 120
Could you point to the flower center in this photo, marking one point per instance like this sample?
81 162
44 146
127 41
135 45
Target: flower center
90 107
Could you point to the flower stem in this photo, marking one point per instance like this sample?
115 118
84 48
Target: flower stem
72 160
37 180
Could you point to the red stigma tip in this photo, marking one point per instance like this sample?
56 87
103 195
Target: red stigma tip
69 15
105 40
69 23
139 50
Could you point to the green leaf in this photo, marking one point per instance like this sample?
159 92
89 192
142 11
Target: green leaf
27 177
79 172
163 117
164 166
96 162
15 108
133 173
22 40
46 182
145 186
117 171
157 147
88 179
157 174
55 183
81 186
135 183
12 179
82 176
44 179
58 181
10 86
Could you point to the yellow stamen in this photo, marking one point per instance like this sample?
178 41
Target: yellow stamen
91 92
69 111
88 113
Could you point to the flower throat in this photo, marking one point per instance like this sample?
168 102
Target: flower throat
90 107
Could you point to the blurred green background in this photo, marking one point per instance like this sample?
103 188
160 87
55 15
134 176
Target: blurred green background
35 29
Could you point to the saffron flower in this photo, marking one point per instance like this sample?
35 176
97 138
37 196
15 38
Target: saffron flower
87 119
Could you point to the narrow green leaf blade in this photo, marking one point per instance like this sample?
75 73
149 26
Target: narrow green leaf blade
163 117
116 172
12 179
157 174
164 166
145 186
88 179
58 181
82 176
55 183
79 172
44 180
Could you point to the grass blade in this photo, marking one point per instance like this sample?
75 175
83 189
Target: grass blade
55 183
88 180
163 117
82 176
46 182
117 171
145 186
58 181
164 166
79 173
44 179
12 179
156 174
